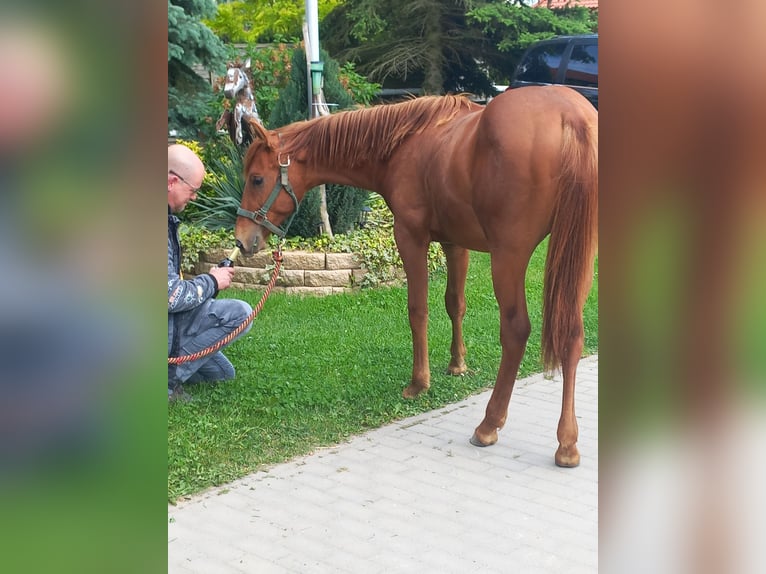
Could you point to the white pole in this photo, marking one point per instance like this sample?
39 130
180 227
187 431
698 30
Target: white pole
309 92
316 67
312 18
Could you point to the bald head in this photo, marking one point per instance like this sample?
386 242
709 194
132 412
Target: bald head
185 174
184 161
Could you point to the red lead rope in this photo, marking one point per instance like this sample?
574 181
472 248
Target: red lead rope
249 319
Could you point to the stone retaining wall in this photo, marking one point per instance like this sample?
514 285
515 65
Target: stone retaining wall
302 272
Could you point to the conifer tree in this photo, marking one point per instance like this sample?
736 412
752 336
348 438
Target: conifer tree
192 46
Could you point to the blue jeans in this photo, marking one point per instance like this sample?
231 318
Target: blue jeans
201 328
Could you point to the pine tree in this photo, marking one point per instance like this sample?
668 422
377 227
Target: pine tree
443 46
191 46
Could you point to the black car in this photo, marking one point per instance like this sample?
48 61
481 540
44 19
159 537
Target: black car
568 60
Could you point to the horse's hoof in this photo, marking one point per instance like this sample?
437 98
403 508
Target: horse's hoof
567 457
457 371
413 391
476 441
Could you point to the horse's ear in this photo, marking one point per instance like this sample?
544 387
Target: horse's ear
261 133
247 64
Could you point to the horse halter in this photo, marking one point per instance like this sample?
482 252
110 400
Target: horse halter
260 217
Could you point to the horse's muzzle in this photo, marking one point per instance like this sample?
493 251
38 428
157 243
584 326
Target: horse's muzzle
249 246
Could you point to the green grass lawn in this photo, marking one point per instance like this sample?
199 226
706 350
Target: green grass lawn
315 371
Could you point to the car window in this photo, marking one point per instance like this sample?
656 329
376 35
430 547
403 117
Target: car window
542 63
583 66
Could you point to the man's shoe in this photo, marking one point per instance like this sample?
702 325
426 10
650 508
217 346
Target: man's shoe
177 394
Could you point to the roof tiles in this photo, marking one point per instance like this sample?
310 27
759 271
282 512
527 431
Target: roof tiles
566 3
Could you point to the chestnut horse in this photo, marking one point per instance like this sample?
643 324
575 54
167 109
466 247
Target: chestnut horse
496 178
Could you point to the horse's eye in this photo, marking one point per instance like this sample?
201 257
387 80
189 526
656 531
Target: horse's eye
256 180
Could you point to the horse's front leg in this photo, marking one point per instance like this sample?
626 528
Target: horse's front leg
414 253
454 301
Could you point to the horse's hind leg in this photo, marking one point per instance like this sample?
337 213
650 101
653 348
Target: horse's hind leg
454 301
508 279
567 454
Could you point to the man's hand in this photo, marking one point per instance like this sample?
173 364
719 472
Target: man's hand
223 276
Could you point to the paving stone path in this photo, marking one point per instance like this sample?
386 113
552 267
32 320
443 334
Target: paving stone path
413 497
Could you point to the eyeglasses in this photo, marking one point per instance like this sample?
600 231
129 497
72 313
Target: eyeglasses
193 189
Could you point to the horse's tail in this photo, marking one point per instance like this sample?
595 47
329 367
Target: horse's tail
573 242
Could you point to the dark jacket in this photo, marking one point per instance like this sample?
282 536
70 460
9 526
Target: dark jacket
183 295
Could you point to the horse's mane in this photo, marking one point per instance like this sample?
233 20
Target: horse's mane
352 137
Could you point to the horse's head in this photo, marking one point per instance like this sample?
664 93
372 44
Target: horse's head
268 199
236 81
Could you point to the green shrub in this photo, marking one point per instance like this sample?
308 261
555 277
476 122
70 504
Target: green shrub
361 90
195 240
344 204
